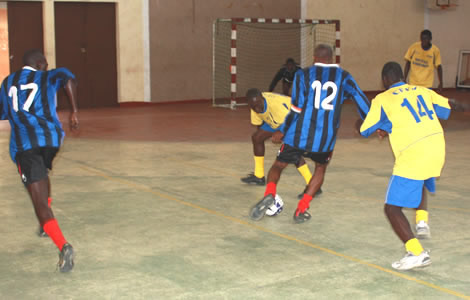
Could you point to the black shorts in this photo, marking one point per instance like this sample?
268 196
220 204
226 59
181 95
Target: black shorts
33 164
292 155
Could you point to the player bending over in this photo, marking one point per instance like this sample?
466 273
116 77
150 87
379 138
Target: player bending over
27 100
310 129
410 115
268 113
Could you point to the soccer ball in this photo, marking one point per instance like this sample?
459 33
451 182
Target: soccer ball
276 208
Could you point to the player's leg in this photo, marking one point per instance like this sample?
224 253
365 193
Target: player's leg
321 162
258 138
285 156
33 167
403 192
286 87
422 219
41 232
304 170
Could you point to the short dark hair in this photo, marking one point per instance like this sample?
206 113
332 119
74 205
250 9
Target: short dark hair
427 32
253 93
290 60
32 56
323 50
392 70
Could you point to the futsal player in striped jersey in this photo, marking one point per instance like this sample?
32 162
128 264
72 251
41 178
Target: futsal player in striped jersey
28 101
310 129
410 114
268 113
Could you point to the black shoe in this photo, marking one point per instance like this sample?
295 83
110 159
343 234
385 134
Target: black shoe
41 232
252 179
301 217
259 210
301 195
66 257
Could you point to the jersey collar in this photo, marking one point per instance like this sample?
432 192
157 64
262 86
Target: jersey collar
29 68
326 65
265 105
400 83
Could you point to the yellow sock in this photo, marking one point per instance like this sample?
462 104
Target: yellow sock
422 215
414 246
259 166
305 172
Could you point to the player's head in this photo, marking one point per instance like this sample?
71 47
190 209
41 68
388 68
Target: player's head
391 73
426 38
255 100
323 54
34 58
290 64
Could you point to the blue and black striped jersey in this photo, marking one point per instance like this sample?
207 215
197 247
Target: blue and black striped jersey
28 101
318 94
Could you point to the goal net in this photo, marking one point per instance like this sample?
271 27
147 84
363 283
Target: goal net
247 53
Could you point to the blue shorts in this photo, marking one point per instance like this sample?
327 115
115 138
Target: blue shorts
405 192
268 128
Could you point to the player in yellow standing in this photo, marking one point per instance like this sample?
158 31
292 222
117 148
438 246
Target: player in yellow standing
268 113
410 115
421 60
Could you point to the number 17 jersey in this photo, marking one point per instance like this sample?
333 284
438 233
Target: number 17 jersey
28 101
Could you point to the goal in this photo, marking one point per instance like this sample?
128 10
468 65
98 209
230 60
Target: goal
247 52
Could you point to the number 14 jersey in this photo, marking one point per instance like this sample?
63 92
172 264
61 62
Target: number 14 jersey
28 101
410 114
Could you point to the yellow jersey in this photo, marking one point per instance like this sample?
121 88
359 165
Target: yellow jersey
410 115
422 64
276 108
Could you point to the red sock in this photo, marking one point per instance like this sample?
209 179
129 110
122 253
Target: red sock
270 189
49 202
51 227
304 203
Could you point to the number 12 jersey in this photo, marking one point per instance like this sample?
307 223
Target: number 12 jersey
318 94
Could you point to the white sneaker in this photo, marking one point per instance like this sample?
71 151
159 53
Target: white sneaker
422 230
410 261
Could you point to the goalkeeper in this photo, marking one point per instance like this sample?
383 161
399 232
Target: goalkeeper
286 74
268 112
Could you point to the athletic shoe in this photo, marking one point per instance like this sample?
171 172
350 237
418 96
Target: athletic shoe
259 210
301 195
41 232
301 217
66 256
252 179
410 261
422 230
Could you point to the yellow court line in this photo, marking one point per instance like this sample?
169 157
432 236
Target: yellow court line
284 236
237 176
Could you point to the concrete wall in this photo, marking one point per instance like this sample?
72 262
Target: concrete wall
132 46
181 41
450 33
372 32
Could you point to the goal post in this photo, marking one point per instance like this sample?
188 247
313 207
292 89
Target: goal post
248 52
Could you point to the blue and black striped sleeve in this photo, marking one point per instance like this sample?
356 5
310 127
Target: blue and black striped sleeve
3 101
354 92
297 93
60 76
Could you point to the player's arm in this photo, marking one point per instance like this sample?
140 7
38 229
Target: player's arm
297 100
3 104
71 91
376 121
354 92
407 69
276 79
439 75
